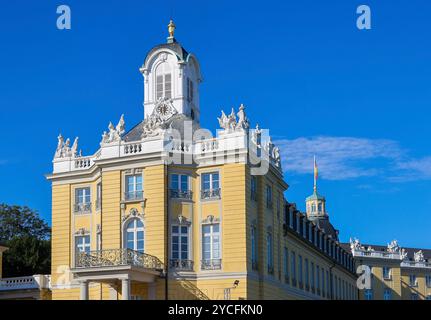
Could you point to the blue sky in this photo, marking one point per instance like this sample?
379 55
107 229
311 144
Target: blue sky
359 100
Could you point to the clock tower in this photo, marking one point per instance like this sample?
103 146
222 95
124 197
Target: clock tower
171 79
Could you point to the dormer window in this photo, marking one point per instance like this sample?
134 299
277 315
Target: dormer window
163 81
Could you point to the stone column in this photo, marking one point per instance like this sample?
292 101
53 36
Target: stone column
125 289
152 291
83 290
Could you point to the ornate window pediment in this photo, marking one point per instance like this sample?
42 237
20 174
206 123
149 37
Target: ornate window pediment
133 213
210 220
82 232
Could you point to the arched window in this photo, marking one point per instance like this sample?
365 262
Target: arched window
135 235
163 81
313 207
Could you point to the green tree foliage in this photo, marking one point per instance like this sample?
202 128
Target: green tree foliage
29 240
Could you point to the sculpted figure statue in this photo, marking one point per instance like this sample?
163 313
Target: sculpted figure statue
74 151
243 122
121 126
59 150
393 247
419 256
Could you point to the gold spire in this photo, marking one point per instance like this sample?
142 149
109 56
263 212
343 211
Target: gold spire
171 28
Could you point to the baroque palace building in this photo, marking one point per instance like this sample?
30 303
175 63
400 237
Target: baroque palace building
167 211
395 273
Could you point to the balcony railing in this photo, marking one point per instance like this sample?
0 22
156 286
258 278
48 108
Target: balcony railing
211 264
376 254
210 194
82 207
181 194
185 265
414 264
133 195
25 283
117 257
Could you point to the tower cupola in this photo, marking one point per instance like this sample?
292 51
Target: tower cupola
173 75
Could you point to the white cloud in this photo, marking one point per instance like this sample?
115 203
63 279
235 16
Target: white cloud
342 158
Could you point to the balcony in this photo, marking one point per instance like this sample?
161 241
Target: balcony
116 258
134 196
181 194
82 208
119 268
210 194
211 264
181 265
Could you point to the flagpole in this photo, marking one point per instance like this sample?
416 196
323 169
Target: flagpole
315 175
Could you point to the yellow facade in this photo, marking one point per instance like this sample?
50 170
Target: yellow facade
236 212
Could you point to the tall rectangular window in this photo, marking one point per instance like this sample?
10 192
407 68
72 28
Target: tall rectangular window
428 280
99 196
293 266
312 276
269 196
180 186
368 293
254 248
253 188
82 244
82 200
210 185
286 264
270 254
134 187
307 274
82 196
300 276
386 273
413 280
387 294
317 277
190 90
211 246
180 243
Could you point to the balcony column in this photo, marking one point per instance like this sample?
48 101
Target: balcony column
83 290
152 291
125 289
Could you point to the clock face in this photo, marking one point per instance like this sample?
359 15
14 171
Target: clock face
163 109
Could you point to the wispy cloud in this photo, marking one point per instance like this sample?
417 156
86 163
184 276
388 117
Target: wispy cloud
342 158
410 170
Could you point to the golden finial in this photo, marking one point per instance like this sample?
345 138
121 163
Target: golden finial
171 28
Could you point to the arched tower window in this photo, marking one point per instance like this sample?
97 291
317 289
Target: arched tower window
313 207
164 81
134 232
